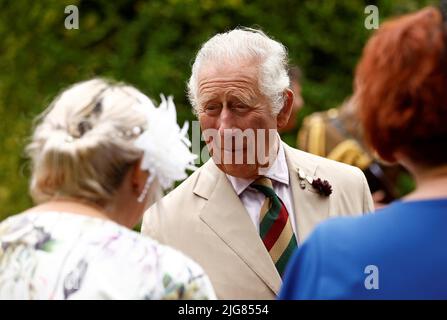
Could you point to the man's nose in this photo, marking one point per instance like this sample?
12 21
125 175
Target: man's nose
226 120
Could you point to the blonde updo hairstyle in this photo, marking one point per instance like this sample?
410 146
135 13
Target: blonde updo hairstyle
83 146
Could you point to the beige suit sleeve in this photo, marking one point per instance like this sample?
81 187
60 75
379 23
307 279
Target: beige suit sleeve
368 204
150 225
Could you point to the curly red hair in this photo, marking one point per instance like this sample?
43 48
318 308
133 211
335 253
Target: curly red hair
401 88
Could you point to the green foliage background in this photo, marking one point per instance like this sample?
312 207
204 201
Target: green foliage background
151 44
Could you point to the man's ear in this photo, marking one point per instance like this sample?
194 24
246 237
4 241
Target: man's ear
283 116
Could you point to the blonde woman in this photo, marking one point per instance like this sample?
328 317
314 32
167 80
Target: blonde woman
99 153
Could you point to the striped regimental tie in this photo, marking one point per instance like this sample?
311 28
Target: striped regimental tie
275 227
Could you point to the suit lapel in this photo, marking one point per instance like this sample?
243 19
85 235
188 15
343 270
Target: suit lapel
225 214
309 207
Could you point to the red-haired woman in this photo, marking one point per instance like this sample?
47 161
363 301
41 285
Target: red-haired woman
399 252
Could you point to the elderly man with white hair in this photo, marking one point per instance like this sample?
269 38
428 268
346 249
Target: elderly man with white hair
242 219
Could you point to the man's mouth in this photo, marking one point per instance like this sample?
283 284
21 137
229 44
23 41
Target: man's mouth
233 149
226 147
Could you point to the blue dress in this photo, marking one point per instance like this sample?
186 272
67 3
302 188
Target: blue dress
400 252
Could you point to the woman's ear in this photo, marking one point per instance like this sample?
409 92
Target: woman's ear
283 116
138 177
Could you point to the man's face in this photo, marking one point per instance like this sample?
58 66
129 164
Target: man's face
230 103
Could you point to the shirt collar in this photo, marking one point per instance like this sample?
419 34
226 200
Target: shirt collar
277 172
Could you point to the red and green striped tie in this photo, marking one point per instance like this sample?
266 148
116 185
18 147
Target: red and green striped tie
275 227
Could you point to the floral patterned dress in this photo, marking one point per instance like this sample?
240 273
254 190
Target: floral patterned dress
57 255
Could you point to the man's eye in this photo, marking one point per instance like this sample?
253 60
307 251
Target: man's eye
212 108
241 107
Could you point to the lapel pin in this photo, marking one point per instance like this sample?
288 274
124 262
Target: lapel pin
302 177
323 187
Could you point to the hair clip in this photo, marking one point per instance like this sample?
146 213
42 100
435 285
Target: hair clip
83 127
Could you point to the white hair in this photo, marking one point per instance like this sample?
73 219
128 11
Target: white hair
245 44
82 146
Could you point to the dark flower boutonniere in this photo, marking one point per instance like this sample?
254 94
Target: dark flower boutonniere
323 187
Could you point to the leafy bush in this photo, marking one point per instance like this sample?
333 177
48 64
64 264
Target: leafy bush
151 44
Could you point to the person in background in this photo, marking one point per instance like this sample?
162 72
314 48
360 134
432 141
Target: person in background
98 157
398 252
336 134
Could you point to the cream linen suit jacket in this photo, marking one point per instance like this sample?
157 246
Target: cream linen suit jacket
205 219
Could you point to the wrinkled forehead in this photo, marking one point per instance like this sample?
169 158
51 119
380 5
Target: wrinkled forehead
237 78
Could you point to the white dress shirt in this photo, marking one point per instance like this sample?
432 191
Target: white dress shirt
253 199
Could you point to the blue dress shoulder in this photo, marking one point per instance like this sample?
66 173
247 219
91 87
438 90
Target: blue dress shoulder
399 252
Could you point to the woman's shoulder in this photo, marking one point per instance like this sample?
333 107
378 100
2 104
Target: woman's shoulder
341 252
104 258
159 271
105 236
354 226
384 220
339 236
375 233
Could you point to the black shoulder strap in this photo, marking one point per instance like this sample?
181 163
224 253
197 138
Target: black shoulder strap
443 9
